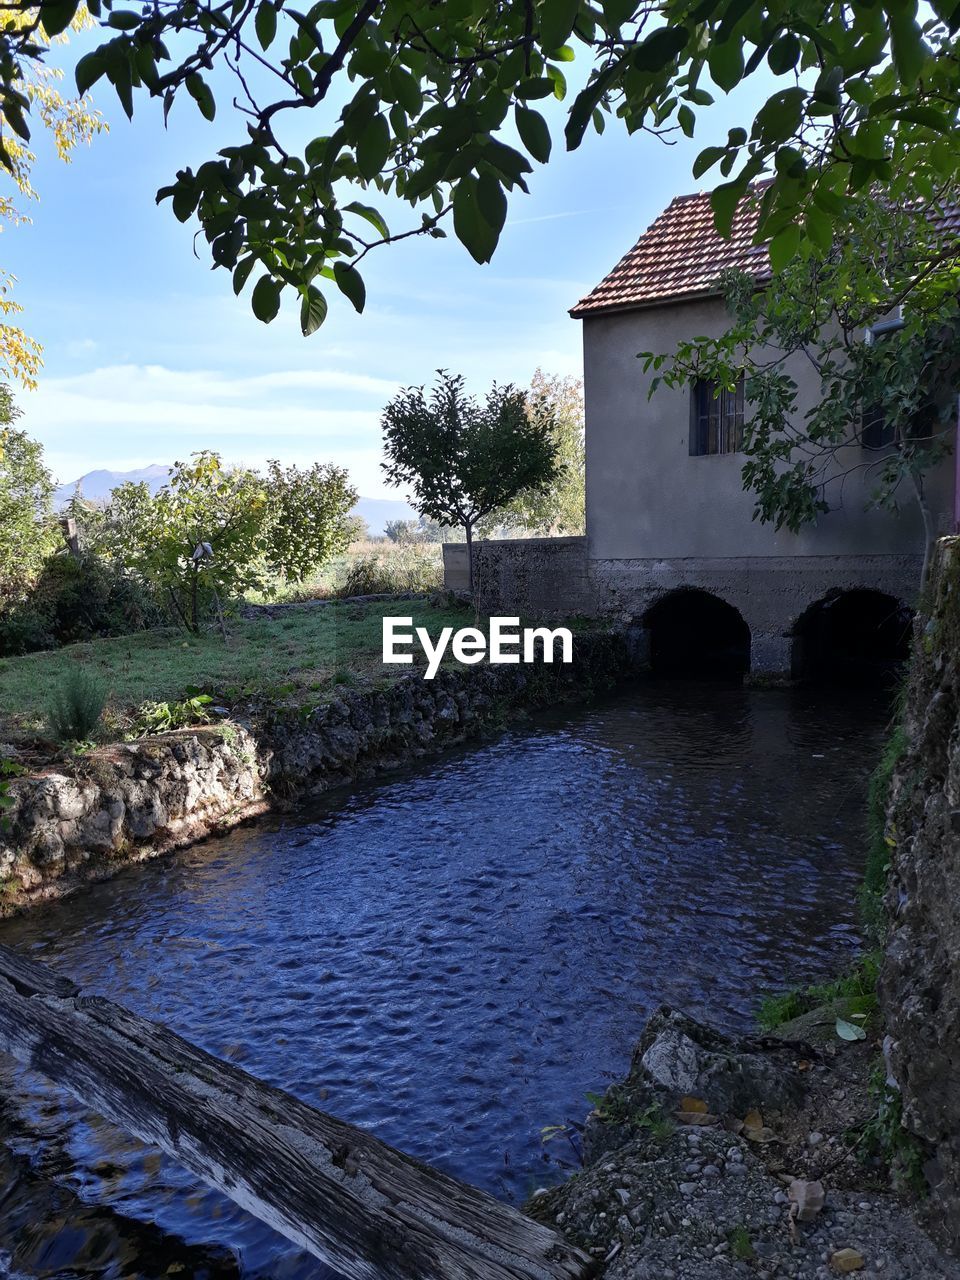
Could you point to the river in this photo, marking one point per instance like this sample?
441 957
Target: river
453 955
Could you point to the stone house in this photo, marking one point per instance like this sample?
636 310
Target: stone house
671 541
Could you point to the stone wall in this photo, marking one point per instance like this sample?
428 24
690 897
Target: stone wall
920 983
130 801
556 577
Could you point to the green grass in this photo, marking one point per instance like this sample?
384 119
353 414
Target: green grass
860 983
302 652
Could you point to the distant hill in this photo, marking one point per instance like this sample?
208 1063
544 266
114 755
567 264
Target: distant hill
377 511
96 485
99 484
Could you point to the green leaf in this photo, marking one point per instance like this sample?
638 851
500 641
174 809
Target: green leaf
784 54
242 273
726 64
491 201
472 229
89 70
350 283
906 43
266 299
556 22
724 200
849 1031
707 158
819 228
659 48
124 20
687 120
373 147
534 132
313 311
56 17
784 246
371 215
200 91
265 24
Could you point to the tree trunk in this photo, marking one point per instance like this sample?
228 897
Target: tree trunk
368 1210
468 526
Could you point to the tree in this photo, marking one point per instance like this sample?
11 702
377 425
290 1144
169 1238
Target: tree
28 532
559 509
887 367
465 459
69 121
425 102
211 534
358 530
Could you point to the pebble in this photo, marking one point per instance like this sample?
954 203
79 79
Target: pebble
711 1171
623 1195
814 1138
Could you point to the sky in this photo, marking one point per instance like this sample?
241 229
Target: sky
148 356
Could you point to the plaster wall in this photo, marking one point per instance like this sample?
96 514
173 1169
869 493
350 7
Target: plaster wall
647 498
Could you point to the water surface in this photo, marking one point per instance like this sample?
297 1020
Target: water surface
453 956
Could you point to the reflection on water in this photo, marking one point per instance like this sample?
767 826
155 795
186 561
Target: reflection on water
452 957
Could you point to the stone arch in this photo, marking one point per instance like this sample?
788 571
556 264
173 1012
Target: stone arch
692 632
856 635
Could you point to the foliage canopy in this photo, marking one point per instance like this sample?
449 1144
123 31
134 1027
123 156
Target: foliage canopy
211 534
464 459
440 107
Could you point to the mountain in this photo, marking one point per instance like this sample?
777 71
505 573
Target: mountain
377 511
96 485
99 484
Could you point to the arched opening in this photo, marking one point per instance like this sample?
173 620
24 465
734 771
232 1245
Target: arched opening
693 633
852 637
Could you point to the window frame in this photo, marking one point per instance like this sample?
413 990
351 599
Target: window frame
716 418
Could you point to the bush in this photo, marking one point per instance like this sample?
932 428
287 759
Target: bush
76 707
406 569
78 598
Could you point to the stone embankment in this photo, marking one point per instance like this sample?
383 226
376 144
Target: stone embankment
920 980
720 1158
85 817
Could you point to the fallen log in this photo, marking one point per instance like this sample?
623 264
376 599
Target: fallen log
361 1206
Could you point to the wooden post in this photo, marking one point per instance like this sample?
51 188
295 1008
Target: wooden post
365 1208
70 535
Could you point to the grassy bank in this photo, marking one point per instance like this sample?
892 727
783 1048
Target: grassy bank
301 651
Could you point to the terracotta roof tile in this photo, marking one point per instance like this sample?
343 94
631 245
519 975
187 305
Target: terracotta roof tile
679 256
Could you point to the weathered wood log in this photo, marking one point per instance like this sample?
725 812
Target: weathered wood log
343 1195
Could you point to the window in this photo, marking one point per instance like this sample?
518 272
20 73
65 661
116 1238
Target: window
716 417
875 431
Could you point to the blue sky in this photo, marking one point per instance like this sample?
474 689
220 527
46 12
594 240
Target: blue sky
149 356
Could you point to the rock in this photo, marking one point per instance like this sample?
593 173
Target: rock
846 1260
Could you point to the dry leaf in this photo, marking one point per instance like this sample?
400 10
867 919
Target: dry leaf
762 1135
696 1117
847 1260
692 1104
753 1120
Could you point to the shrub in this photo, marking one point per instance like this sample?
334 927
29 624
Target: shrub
75 709
161 717
77 598
409 568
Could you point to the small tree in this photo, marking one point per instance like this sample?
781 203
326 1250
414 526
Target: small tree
213 533
559 508
466 459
